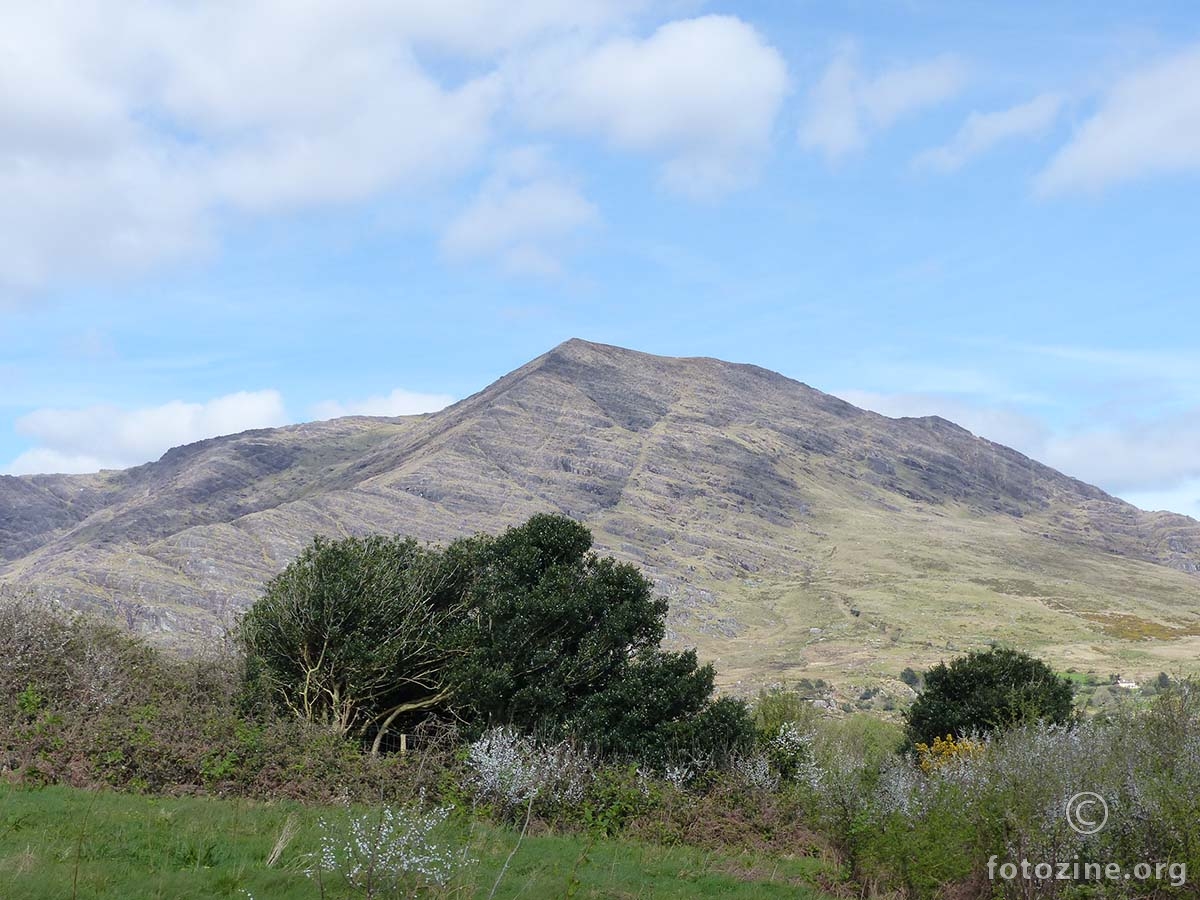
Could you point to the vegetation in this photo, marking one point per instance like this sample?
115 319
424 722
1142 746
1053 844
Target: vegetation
64 842
804 800
528 629
987 691
355 634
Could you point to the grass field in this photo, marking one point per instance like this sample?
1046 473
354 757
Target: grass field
58 842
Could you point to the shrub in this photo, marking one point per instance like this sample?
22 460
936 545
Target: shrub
947 751
511 772
390 853
789 749
562 643
986 691
777 707
354 635
550 627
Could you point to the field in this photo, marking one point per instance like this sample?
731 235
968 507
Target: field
60 842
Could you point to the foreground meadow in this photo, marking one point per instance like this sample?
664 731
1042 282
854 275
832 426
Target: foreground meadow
60 842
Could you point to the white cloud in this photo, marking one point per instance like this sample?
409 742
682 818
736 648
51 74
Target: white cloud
142 127
982 131
1148 124
1184 498
702 93
846 105
398 403
41 461
1132 456
1153 464
1006 426
522 215
126 142
96 437
482 28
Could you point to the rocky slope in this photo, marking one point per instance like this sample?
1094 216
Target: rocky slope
794 533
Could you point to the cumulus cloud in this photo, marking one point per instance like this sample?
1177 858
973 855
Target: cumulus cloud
983 131
133 144
398 403
1133 455
1147 125
701 93
522 216
847 105
107 437
131 140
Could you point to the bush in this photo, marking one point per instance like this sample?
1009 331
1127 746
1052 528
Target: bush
355 635
777 707
661 713
562 643
86 704
550 627
512 772
986 691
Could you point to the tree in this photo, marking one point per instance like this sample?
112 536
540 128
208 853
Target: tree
528 629
356 634
561 641
660 709
986 691
549 625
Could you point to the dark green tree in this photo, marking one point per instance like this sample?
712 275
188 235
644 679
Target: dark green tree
987 691
356 634
549 625
661 709
559 640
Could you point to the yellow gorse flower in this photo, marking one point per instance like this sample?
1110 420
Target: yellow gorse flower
946 750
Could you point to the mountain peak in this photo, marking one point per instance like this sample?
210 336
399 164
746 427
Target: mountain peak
761 507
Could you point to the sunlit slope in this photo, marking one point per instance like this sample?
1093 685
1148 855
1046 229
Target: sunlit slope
795 534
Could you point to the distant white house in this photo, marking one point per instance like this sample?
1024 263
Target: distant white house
1128 685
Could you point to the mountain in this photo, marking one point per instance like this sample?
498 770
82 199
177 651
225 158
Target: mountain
795 534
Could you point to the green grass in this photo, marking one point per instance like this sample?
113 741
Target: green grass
59 842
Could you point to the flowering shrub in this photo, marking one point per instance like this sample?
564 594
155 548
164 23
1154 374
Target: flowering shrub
946 751
393 851
678 775
935 819
789 750
511 771
755 772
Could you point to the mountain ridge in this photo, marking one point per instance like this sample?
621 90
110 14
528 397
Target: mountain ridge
756 502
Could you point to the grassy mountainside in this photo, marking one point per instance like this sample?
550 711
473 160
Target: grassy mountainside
796 535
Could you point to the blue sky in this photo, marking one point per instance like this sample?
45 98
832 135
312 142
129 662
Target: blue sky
241 214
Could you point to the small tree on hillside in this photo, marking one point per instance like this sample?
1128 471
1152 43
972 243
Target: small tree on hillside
986 691
354 635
